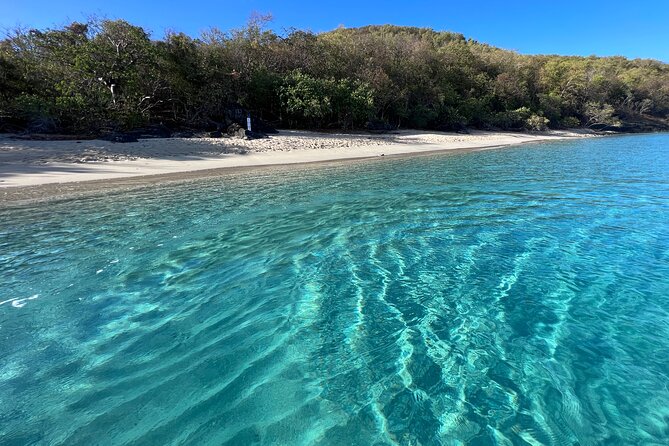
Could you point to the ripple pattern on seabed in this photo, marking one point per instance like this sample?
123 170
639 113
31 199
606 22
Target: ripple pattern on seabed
513 296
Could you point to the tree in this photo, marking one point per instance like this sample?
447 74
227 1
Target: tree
598 114
324 102
87 77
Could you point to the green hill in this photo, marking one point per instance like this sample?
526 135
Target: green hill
112 75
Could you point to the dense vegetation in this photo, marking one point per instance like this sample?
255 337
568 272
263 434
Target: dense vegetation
109 75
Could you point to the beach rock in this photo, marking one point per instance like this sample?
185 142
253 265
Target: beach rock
254 135
208 124
236 131
262 127
237 115
634 126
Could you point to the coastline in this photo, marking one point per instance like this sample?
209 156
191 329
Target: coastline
33 171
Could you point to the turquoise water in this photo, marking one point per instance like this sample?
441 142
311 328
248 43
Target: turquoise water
513 296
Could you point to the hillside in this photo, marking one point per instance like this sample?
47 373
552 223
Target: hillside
105 76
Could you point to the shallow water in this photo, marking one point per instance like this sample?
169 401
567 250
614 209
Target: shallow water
513 296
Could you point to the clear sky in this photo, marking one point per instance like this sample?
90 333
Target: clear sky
628 28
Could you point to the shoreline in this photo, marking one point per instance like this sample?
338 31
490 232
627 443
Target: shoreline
40 170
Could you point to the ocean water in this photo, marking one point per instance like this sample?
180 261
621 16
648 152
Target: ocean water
517 296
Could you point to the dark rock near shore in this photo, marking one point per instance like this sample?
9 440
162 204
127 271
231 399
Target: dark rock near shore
215 134
646 126
236 131
630 127
262 127
254 135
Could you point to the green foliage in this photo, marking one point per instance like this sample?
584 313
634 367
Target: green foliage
570 122
31 105
600 114
512 119
305 97
536 123
111 74
317 102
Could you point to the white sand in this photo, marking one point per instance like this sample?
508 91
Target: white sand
30 163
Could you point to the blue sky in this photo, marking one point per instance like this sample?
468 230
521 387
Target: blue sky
585 27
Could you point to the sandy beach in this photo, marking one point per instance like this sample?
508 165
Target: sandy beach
26 163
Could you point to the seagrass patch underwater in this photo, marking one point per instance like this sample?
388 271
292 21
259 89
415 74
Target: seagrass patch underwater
512 296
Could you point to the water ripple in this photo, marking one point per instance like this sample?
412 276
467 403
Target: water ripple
515 296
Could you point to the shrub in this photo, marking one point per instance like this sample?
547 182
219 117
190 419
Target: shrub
317 101
570 122
536 123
